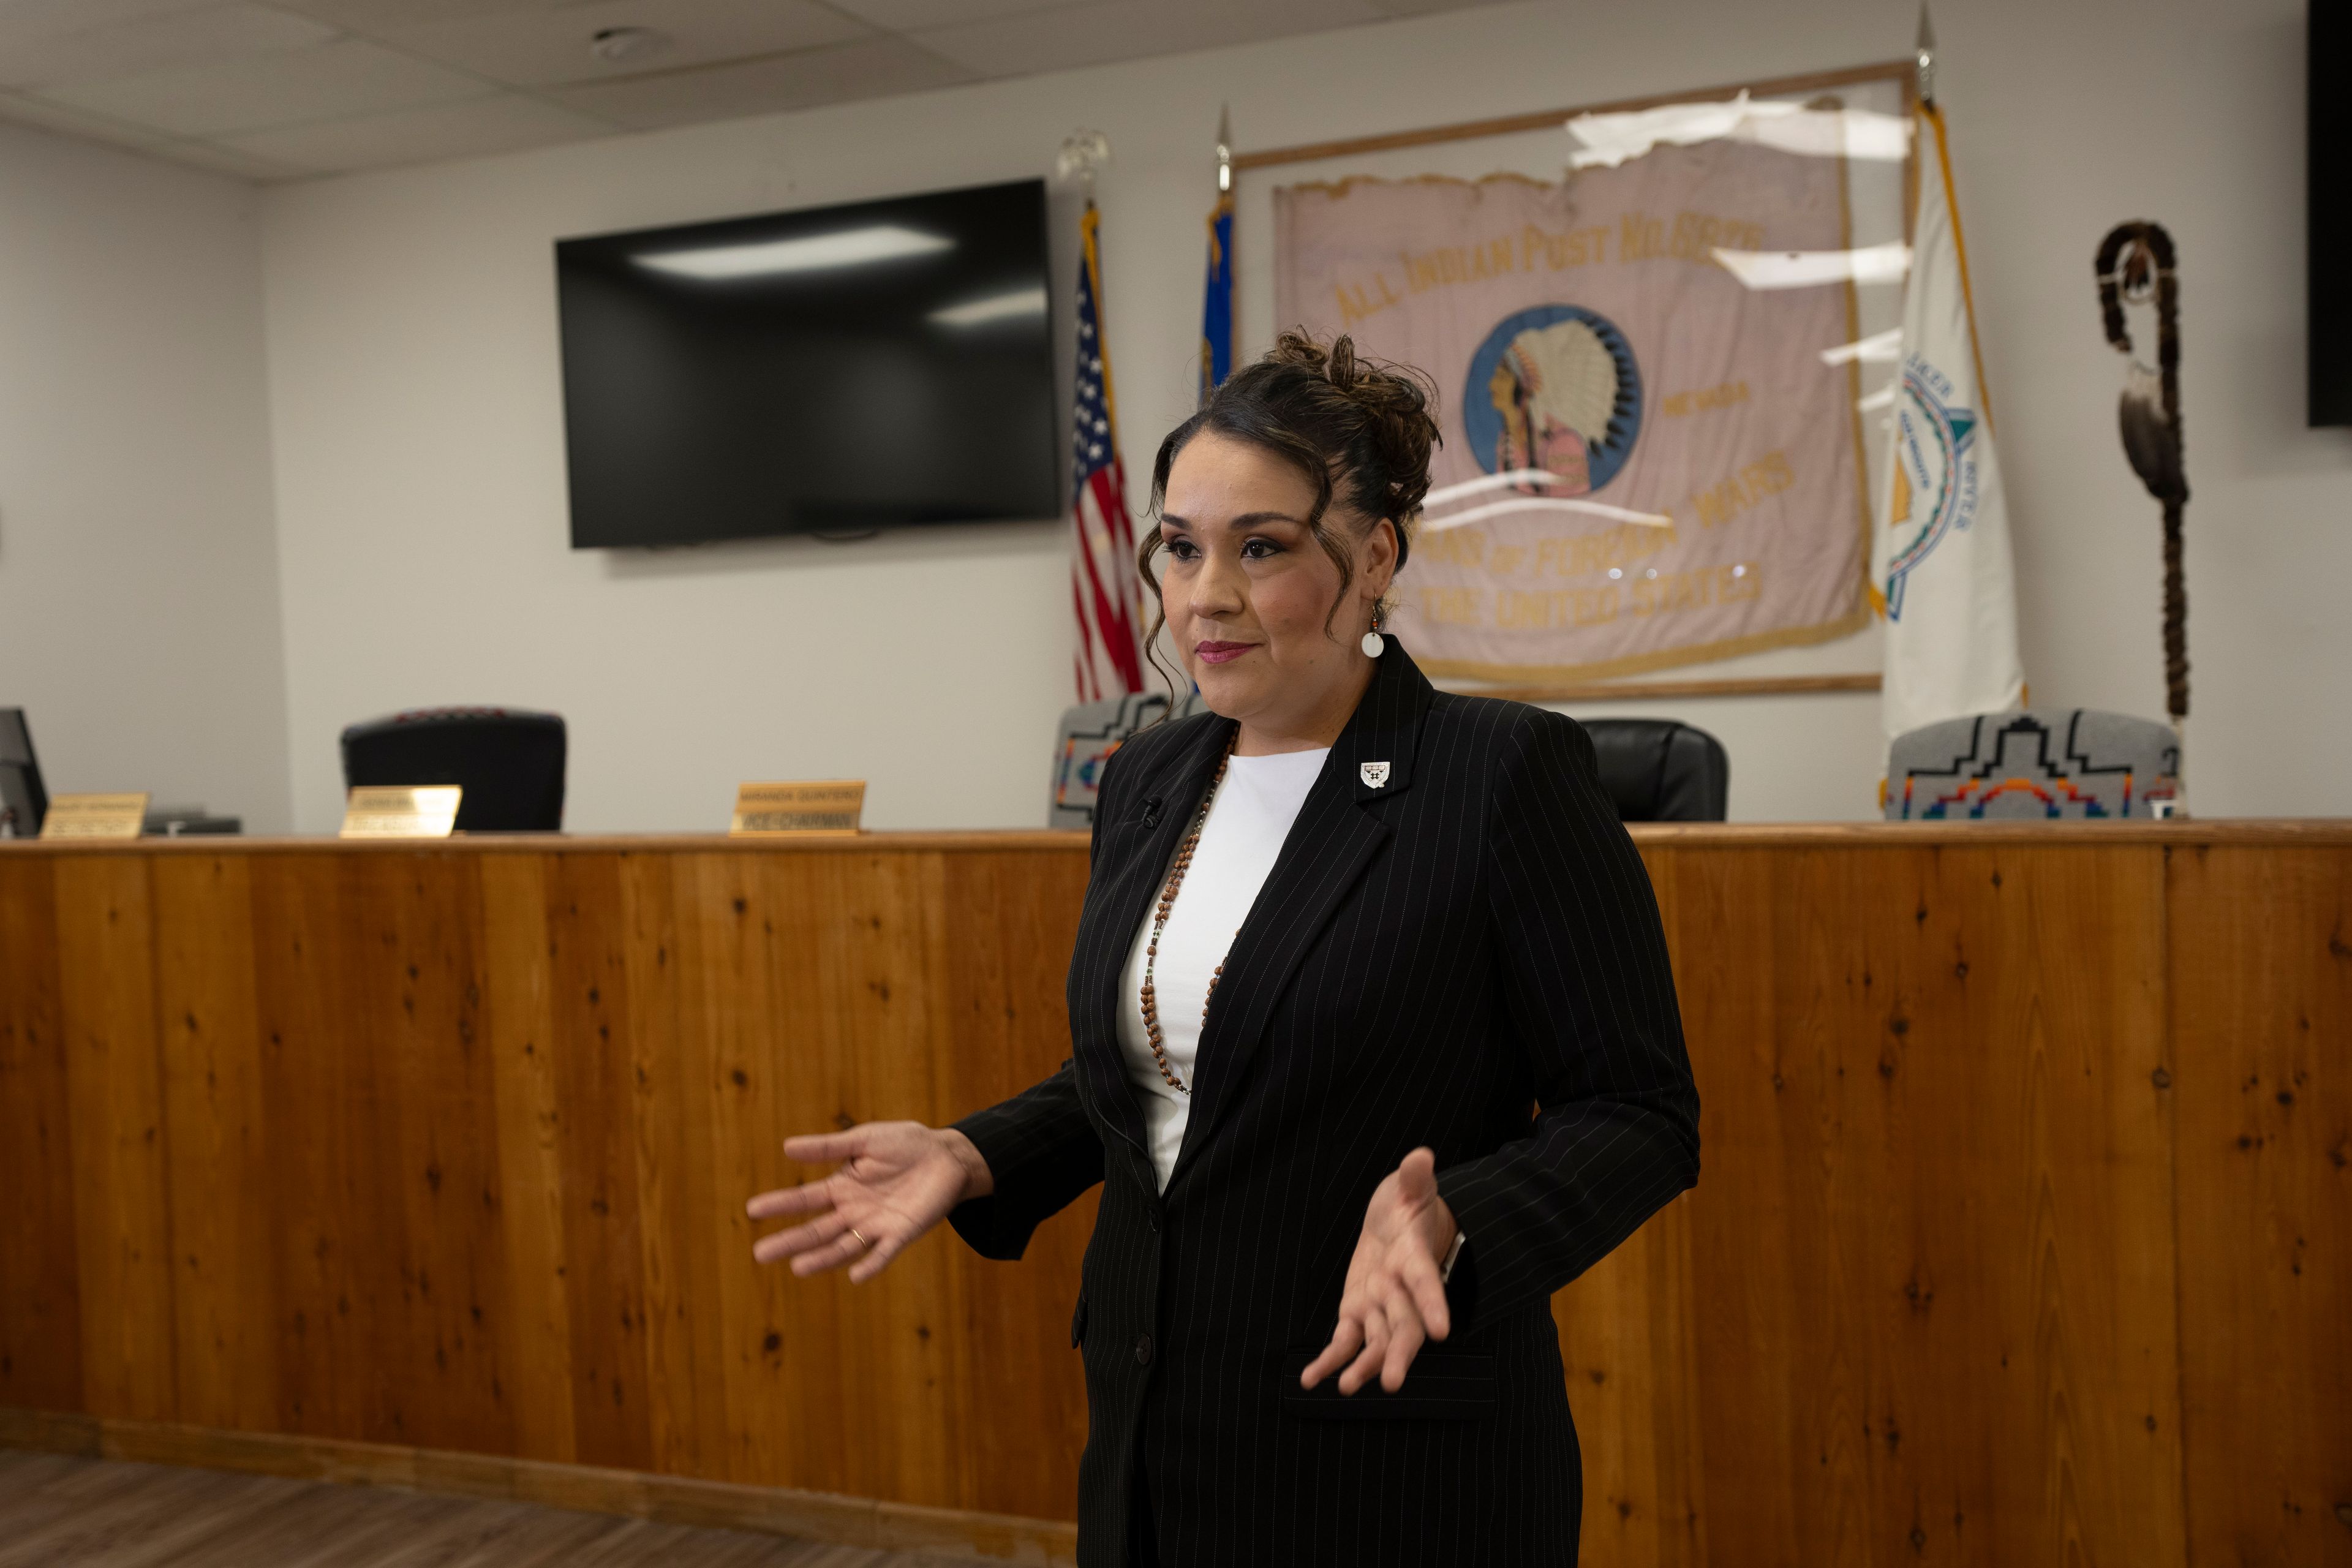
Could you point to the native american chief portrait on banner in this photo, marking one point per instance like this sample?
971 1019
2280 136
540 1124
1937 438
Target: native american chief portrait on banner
1587 330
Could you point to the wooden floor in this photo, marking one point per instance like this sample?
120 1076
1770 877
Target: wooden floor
57 1510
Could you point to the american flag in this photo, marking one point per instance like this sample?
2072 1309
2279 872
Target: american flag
1104 588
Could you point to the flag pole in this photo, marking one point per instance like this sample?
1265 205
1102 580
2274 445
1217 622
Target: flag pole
1217 293
1926 58
1946 578
1106 593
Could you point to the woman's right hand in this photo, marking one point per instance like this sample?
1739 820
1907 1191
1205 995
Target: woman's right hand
897 1180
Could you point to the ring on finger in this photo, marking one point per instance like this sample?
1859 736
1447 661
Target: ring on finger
863 1244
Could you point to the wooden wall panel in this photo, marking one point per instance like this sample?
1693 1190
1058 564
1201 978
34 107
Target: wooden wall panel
1764 969
1627 1338
2262 1084
2023 1033
217 1154
371 1029
594 1080
520 1035
773 1066
438 1122
1005 1028
1932 1248
2007 1249
309 994
105 939
682 1216
883 929
40 1276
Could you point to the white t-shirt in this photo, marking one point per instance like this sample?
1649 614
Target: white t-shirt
1248 821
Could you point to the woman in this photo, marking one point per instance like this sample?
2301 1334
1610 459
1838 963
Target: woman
1374 1047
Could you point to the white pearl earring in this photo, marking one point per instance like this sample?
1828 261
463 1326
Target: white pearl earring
1374 645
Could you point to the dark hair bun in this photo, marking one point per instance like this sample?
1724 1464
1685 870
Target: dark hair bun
1389 407
1361 430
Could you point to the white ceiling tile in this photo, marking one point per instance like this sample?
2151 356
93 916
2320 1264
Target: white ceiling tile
906 16
219 159
1131 29
540 48
273 88
44 19
477 128
152 42
875 68
351 75
373 18
1426 7
17 109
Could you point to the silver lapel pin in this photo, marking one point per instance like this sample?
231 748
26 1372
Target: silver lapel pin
1374 774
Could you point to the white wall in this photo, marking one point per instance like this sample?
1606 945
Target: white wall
139 622
418 438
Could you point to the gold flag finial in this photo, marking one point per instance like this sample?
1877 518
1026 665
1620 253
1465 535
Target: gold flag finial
1225 148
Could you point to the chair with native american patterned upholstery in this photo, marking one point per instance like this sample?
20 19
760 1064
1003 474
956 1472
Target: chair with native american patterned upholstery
1090 732
2073 763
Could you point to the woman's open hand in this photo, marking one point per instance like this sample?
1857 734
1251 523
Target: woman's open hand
1394 1299
897 1180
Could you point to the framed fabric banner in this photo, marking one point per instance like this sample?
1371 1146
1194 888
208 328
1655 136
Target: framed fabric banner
1590 326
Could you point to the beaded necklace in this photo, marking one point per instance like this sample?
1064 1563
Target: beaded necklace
1150 996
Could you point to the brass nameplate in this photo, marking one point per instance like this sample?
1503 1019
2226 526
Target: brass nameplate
401 811
770 809
95 817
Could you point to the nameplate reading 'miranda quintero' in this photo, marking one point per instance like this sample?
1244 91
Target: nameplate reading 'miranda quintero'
401 811
767 810
95 817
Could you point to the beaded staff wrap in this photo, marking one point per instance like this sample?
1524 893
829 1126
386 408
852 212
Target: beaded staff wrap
2136 260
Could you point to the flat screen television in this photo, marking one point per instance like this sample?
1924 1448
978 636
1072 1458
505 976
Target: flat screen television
844 368
2329 226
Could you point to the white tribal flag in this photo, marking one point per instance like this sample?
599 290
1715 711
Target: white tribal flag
1940 570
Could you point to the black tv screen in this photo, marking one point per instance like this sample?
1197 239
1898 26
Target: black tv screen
2329 226
840 369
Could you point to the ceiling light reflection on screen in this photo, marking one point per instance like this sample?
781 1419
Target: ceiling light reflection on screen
991 307
809 253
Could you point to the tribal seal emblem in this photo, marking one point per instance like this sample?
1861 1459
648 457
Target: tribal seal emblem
1935 472
1374 774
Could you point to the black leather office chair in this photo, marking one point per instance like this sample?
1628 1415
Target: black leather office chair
1661 770
509 761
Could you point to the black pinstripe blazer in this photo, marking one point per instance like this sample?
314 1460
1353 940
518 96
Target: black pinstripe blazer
1433 959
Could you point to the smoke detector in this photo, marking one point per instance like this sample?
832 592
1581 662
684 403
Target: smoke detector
616 45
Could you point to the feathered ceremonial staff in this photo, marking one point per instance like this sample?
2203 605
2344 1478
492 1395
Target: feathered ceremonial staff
2135 267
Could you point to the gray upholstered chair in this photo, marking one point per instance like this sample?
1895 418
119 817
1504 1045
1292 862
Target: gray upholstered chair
1090 732
2076 763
